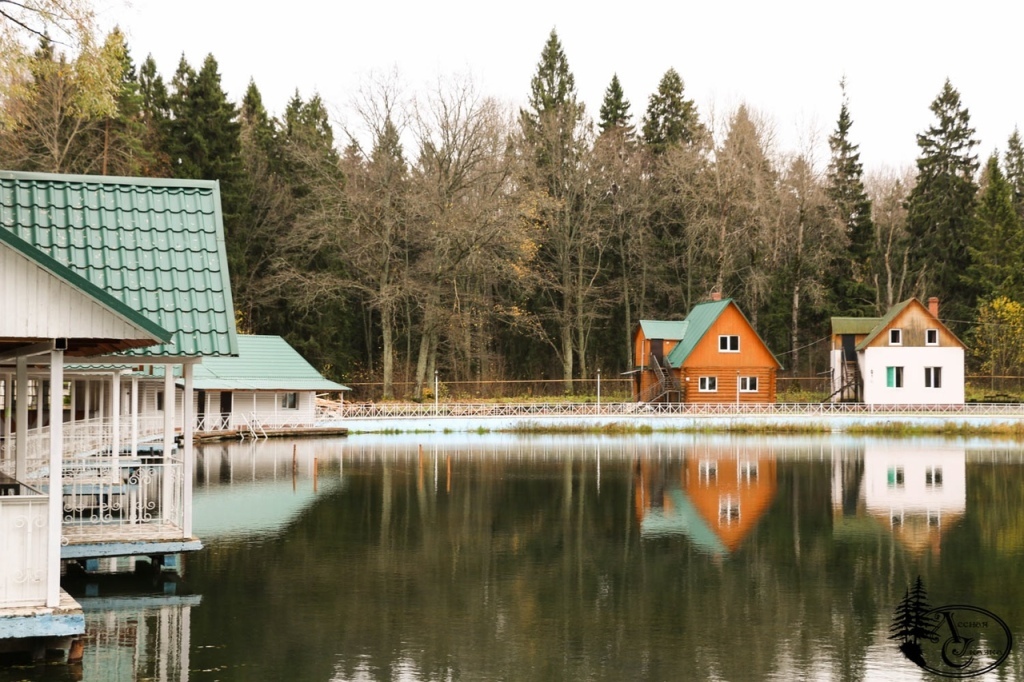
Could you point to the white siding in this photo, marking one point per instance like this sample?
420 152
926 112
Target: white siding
265 405
38 305
914 491
913 361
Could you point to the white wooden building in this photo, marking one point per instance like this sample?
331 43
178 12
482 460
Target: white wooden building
906 357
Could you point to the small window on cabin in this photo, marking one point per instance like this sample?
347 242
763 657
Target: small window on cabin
894 377
933 477
895 477
895 337
159 401
708 384
933 377
289 401
728 509
748 384
707 471
729 344
747 472
931 337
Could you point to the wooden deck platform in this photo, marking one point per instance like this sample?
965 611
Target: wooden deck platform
291 432
90 541
22 623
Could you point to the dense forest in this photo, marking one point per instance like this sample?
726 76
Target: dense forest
446 232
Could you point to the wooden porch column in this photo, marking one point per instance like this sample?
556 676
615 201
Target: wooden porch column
101 402
21 419
8 406
187 420
115 419
169 401
56 491
135 417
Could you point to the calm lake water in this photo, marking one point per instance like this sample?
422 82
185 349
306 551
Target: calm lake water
568 558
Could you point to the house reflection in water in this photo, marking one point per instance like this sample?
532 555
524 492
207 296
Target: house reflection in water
916 492
715 495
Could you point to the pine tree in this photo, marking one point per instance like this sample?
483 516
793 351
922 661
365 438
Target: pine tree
1014 160
615 110
997 241
671 118
940 208
853 288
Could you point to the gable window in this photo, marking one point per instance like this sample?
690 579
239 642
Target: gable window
708 384
289 401
729 344
931 337
748 384
895 337
933 377
894 377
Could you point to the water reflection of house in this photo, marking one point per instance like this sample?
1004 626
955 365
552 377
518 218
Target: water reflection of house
715 496
916 492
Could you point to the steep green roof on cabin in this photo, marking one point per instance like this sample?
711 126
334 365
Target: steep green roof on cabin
155 245
699 321
672 330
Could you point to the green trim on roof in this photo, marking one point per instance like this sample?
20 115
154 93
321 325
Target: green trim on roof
854 325
155 245
672 330
889 316
75 280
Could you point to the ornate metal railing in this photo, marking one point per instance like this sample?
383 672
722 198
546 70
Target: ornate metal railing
810 410
123 491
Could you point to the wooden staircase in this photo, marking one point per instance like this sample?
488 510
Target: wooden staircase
667 389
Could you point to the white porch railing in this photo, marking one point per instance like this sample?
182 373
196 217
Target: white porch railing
214 422
406 410
23 549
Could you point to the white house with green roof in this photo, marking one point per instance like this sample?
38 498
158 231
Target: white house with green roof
906 357
103 279
268 385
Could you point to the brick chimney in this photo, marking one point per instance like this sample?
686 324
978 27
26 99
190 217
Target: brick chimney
933 306
717 296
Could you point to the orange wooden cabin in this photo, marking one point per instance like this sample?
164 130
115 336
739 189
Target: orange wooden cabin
713 356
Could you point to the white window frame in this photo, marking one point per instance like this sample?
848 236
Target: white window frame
725 343
746 383
897 377
707 385
290 397
933 377
728 509
707 471
931 332
896 337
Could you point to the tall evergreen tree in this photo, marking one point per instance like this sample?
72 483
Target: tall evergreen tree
615 110
671 118
997 240
940 208
1014 160
853 289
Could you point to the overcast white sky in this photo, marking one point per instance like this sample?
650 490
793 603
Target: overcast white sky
782 58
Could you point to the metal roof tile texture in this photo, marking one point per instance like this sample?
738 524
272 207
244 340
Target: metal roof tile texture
155 245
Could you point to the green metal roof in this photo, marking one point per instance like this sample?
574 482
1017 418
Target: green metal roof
156 246
264 363
673 330
889 316
75 280
699 321
854 325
